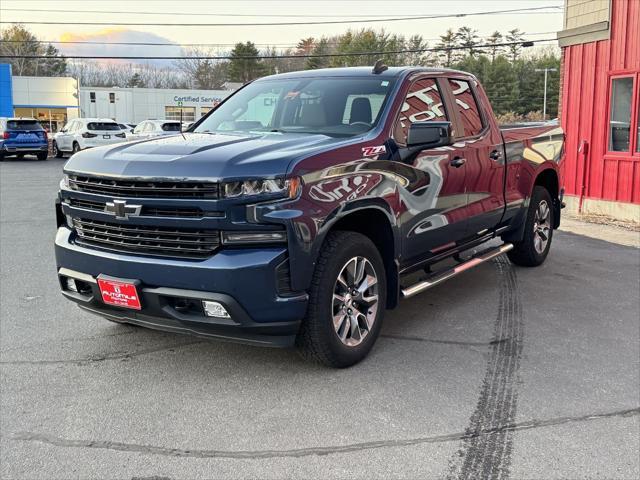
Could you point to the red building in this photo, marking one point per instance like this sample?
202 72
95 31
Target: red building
600 106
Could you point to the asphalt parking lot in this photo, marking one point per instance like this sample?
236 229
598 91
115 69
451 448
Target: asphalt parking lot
502 372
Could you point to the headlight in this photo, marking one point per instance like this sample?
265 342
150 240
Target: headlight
286 188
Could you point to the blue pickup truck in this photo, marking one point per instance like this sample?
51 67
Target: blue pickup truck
23 136
304 206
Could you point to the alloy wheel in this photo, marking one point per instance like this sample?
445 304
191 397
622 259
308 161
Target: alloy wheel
355 301
541 227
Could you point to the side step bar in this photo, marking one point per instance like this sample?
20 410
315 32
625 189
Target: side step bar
440 277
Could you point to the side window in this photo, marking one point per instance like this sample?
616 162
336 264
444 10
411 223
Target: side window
423 103
467 107
72 127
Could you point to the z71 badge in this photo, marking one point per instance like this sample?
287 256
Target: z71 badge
372 151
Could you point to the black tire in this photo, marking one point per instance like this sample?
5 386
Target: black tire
56 152
42 155
75 148
528 253
318 339
1 156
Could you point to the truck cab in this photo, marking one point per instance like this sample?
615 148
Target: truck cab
294 212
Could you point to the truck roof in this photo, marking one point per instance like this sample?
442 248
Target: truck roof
359 72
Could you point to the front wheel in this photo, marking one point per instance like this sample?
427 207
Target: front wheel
534 247
56 151
346 301
42 155
76 148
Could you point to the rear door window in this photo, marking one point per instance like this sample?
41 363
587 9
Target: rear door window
467 107
171 127
28 125
102 126
423 103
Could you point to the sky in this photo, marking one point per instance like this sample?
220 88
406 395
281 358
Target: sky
537 25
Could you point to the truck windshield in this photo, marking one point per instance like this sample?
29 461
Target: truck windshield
337 106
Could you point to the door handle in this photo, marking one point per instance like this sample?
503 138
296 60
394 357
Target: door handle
495 155
457 162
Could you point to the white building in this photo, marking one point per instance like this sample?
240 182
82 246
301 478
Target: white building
56 100
133 105
51 100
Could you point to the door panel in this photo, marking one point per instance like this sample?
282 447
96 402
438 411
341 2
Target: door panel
482 148
433 216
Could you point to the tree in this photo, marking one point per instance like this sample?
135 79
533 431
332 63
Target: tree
320 48
202 72
448 42
17 40
516 37
416 42
242 69
469 40
135 80
493 41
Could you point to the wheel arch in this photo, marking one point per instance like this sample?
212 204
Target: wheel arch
376 223
549 179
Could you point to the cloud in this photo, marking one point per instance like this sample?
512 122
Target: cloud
115 35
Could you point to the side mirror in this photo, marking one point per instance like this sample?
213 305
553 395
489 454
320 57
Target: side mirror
64 130
424 135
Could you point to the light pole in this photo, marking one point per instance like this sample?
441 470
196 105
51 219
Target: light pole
544 106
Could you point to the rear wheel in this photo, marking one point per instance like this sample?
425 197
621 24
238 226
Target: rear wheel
56 151
538 231
42 155
346 301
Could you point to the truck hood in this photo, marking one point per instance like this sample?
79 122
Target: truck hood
202 155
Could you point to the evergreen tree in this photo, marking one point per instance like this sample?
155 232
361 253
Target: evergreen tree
446 53
493 41
514 36
320 48
135 81
469 40
241 68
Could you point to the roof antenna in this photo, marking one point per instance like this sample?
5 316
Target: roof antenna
379 67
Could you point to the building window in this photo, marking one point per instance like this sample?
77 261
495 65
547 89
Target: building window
92 97
467 107
620 116
204 110
112 97
173 113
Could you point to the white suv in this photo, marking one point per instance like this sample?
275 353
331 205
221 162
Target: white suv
84 133
155 128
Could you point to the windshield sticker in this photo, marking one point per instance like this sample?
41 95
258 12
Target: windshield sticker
372 151
384 83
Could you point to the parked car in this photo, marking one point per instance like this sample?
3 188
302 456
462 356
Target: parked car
127 127
155 128
83 133
23 136
301 219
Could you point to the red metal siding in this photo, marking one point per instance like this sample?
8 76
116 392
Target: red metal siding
587 71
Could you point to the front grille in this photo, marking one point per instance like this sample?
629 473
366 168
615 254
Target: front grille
116 187
146 211
172 242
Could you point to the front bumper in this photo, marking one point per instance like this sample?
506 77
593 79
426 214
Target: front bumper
171 291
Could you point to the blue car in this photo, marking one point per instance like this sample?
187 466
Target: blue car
23 136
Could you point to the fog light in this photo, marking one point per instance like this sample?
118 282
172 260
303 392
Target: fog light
215 309
71 284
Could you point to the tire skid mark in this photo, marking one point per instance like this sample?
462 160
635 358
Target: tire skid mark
305 452
489 456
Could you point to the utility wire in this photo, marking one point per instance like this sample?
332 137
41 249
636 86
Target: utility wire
524 43
209 14
253 24
168 44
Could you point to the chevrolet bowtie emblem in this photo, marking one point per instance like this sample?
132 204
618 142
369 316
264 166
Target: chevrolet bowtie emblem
121 210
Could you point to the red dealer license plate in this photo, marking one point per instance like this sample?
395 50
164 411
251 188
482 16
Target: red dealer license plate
119 294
